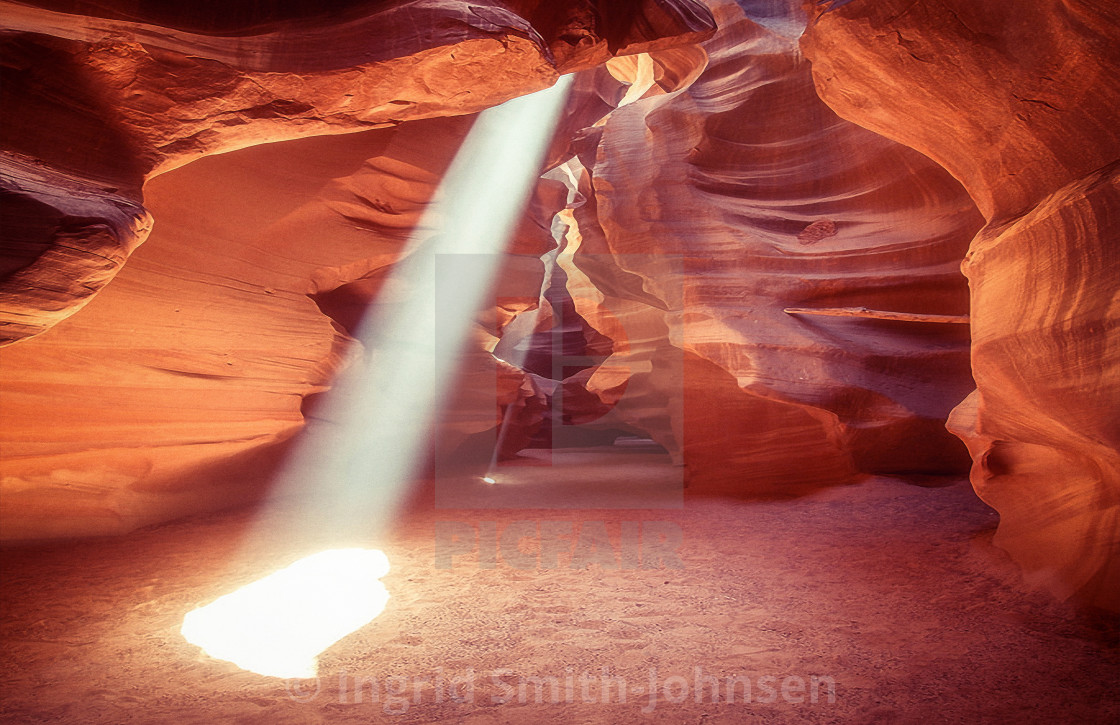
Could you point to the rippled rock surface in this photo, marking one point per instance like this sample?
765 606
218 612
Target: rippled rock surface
181 382
103 96
1021 107
803 270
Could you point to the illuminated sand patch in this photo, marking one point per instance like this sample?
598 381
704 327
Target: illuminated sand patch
278 625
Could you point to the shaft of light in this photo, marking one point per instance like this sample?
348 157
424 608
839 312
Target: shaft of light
347 480
354 474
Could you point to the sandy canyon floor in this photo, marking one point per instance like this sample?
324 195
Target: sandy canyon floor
877 602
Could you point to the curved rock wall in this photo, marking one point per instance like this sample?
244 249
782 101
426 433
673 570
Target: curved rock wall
175 389
168 393
106 101
809 267
1021 107
777 275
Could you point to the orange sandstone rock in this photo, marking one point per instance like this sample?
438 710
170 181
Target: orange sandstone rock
177 388
702 193
1021 107
110 99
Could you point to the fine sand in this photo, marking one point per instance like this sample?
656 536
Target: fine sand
877 602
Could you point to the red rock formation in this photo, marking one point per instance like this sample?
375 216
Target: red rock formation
778 284
1021 107
173 391
199 353
736 196
170 95
64 239
109 100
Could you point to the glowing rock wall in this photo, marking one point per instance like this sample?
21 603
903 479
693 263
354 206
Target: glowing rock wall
1022 108
808 269
767 227
176 388
97 103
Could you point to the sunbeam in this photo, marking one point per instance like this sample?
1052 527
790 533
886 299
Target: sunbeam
385 407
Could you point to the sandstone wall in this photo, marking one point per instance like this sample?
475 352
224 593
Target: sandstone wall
181 382
1021 106
804 271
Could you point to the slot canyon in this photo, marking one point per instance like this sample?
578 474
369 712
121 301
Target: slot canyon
703 361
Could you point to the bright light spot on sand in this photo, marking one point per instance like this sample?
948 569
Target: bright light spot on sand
350 476
278 625
488 479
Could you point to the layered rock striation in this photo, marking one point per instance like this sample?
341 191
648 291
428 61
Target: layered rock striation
789 278
107 100
1021 107
756 232
182 382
